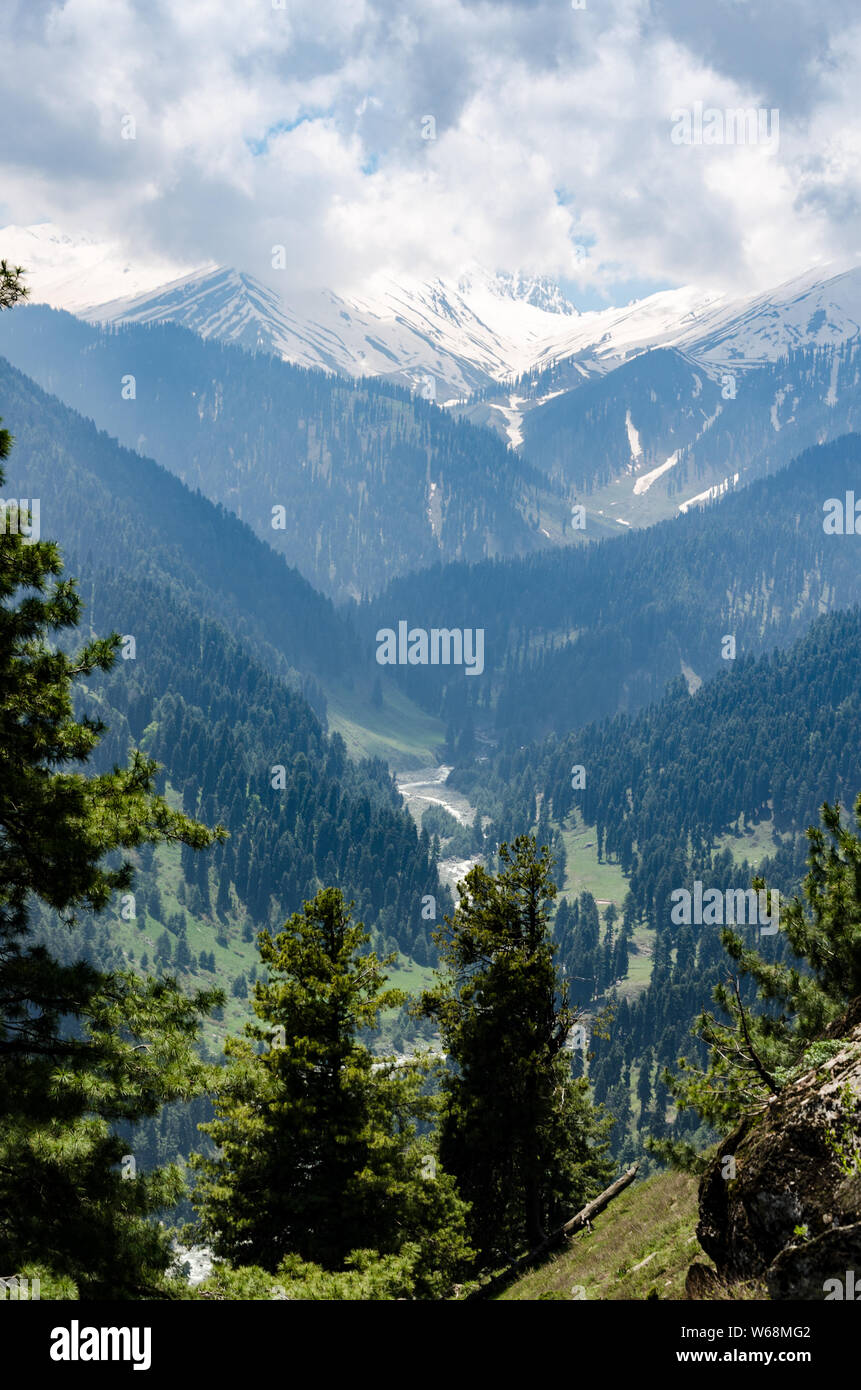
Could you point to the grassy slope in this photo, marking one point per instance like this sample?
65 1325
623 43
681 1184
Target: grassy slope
753 844
140 936
651 1225
399 732
237 957
605 881
406 736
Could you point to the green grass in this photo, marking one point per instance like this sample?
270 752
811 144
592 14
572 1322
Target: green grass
650 1225
408 975
605 881
753 844
401 733
639 963
412 978
237 957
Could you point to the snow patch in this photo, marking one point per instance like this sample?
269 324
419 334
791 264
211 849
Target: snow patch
633 438
643 484
710 493
513 420
434 510
692 680
831 396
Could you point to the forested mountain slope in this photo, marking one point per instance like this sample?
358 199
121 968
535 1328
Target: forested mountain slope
372 480
768 737
229 644
714 786
105 504
660 430
624 423
224 729
574 634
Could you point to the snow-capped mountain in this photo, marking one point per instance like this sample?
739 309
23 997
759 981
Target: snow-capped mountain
446 338
594 406
821 308
463 336
487 328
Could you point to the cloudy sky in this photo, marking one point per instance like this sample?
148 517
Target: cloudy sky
415 136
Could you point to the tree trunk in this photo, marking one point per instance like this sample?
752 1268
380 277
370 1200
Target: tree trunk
576 1223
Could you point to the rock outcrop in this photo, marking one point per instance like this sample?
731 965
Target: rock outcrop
788 1210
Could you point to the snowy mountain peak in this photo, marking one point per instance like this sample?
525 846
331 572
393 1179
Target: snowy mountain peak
536 290
444 337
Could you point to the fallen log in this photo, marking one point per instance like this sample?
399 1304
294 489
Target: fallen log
570 1227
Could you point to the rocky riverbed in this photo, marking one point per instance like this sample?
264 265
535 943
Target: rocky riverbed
426 786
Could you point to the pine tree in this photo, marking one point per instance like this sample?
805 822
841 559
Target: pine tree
318 1149
518 1131
80 1050
758 1051
12 292
644 1082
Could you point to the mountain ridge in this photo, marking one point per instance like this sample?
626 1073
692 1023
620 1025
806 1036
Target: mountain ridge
466 333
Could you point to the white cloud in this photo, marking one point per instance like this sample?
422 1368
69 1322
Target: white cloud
552 127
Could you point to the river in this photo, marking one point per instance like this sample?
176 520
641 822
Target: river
426 786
